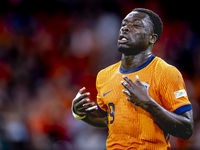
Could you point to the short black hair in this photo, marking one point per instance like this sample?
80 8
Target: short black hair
157 23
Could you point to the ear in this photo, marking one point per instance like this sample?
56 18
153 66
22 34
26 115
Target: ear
153 38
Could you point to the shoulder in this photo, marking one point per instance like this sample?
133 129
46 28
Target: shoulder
164 68
161 64
107 72
167 72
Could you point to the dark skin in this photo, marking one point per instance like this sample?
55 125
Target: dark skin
80 106
136 40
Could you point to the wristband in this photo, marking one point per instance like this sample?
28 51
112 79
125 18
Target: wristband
77 116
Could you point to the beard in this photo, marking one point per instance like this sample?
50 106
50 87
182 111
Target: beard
128 50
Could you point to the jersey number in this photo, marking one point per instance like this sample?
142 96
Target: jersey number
111 111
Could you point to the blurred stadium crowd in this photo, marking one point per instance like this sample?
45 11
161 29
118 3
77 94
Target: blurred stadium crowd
50 49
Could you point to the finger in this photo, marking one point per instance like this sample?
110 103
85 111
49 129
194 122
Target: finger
128 98
126 85
93 108
137 80
86 106
129 81
89 104
81 103
126 92
81 91
79 97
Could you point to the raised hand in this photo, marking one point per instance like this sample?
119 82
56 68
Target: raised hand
137 93
81 104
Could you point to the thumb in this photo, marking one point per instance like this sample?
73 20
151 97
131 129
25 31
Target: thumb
137 80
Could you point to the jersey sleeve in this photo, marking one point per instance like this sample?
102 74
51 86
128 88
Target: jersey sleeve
100 103
173 92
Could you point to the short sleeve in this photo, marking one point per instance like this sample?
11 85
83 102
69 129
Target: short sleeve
100 103
173 92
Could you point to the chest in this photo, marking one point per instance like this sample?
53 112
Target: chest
111 91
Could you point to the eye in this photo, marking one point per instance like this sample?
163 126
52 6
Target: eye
137 25
123 24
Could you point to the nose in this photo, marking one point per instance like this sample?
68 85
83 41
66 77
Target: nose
125 29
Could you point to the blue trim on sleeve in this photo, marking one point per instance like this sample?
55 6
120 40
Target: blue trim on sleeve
101 111
127 71
183 108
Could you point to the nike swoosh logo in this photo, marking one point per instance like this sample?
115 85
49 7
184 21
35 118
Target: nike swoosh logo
104 94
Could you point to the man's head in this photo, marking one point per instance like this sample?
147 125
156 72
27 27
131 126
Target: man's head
140 30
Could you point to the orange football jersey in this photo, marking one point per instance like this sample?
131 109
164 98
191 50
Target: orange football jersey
131 127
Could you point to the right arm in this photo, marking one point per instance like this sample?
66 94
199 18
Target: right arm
82 106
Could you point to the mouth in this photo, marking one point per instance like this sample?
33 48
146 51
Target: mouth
122 39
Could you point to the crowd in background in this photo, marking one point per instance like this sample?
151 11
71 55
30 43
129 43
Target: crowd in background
51 49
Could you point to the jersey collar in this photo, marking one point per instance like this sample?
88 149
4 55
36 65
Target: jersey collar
127 71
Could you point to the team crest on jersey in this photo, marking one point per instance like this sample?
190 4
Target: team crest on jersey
146 85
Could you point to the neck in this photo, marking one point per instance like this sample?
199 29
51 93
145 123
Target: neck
133 61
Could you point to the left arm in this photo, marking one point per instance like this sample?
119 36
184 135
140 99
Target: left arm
179 125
